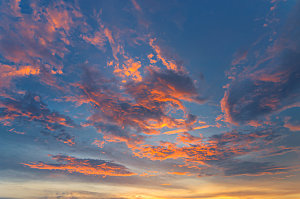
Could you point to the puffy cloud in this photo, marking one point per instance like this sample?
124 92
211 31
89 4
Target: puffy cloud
9 72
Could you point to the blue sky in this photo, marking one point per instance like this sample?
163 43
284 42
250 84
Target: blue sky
149 99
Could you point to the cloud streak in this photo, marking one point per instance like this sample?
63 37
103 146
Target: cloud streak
82 166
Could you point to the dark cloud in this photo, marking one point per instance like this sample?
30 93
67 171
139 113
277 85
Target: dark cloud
250 99
172 85
270 85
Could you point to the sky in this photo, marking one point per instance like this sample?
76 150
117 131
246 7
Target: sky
149 99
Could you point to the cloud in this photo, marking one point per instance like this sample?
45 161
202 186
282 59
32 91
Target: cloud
35 43
83 166
138 100
132 100
271 84
199 152
244 140
130 68
170 64
136 5
292 127
250 99
97 40
122 112
240 57
252 168
9 72
29 107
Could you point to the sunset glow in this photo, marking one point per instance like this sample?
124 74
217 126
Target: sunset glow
150 99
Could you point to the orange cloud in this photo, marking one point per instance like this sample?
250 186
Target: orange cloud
197 153
130 69
97 40
70 141
150 57
187 139
59 19
23 71
292 127
254 123
9 72
188 129
144 106
179 173
98 143
267 76
40 40
194 151
170 64
83 166
116 48
78 100
226 109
